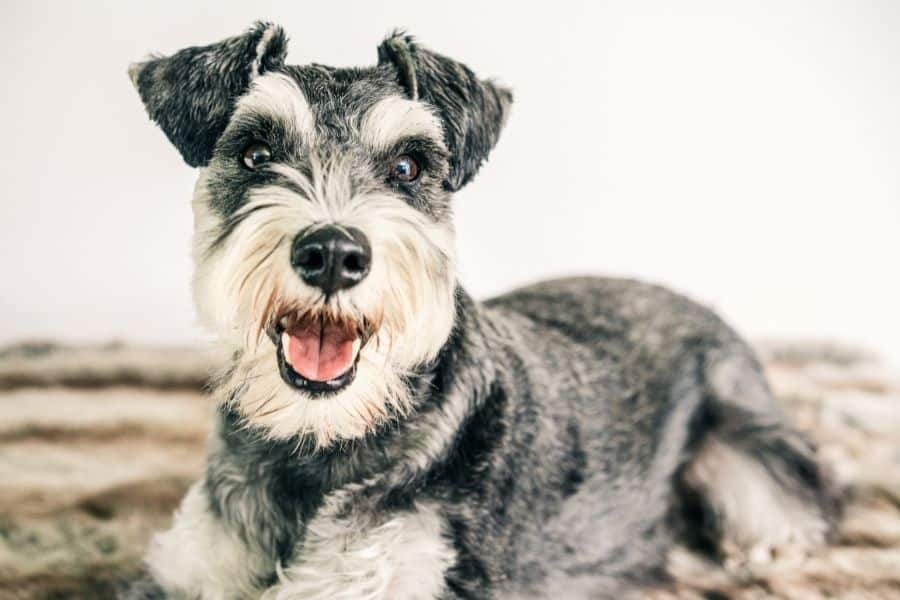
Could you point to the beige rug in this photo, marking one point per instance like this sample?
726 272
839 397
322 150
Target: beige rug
98 444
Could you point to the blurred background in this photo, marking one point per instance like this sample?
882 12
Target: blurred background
744 153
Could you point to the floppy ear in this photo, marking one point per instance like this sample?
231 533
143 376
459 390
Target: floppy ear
191 94
473 111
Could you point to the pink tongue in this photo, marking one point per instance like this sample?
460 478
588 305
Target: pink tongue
320 353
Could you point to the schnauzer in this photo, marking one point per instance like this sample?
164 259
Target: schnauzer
380 434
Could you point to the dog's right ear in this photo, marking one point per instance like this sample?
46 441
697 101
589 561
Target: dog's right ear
191 94
472 110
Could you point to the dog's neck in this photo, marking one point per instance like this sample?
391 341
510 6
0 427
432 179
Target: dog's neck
289 479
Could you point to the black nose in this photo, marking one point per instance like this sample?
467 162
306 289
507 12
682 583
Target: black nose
332 258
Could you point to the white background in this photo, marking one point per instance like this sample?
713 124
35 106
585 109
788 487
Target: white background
745 153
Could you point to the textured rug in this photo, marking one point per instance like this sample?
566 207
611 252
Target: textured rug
97 445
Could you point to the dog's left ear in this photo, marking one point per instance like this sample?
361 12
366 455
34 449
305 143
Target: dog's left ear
473 111
191 94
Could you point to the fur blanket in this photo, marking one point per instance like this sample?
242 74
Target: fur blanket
98 444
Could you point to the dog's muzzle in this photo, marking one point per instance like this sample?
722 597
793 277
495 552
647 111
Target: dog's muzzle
317 349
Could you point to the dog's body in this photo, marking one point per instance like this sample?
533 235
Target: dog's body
553 441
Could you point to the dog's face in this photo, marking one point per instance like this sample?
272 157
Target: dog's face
324 248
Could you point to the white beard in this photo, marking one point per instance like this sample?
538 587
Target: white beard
243 283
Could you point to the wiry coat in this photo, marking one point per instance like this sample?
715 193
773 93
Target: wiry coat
549 442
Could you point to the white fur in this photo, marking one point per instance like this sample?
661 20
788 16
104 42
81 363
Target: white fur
199 558
355 557
344 556
278 96
261 48
395 118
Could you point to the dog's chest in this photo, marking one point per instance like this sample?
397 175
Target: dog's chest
400 556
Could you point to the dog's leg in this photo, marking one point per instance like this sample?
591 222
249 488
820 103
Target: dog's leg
198 558
763 492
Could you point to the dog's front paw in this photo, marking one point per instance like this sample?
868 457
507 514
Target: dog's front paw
791 548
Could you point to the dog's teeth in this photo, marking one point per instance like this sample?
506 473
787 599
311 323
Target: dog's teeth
286 343
283 322
356 344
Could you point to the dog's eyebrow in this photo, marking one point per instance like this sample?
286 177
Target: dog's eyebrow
395 118
277 96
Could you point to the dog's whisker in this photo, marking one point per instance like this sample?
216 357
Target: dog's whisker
260 414
252 271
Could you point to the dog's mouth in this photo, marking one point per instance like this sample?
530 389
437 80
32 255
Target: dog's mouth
317 353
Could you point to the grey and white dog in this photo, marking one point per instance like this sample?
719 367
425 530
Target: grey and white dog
381 434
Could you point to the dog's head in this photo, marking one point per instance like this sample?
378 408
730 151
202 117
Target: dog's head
324 248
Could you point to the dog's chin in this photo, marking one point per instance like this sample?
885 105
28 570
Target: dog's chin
317 354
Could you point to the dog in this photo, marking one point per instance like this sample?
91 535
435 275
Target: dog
379 433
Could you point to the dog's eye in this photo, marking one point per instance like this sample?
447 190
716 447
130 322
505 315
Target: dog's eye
256 155
404 168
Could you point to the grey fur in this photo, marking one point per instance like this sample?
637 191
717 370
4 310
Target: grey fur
556 426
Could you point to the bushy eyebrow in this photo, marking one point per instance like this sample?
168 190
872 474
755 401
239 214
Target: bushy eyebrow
278 98
394 119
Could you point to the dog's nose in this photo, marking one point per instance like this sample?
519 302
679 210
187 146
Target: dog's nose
331 258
